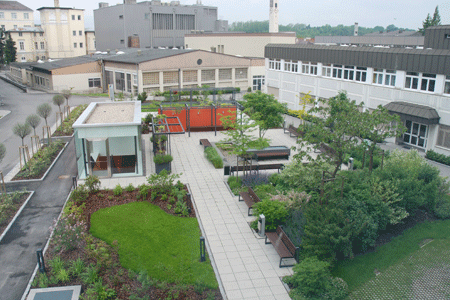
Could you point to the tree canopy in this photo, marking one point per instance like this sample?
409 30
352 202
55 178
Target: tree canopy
10 50
431 21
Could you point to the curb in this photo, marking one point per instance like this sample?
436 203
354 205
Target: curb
208 248
27 290
43 176
16 216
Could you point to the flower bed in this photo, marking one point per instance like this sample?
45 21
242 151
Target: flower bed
9 205
40 162
77 256
66 128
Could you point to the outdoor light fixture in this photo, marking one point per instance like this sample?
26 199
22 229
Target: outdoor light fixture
40 259
202 249
350 163
262 225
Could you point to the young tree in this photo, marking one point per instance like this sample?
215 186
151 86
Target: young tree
58 100
10 50
431 21
334 123
34 121
44 111
377 126
22 130
2 46
265 110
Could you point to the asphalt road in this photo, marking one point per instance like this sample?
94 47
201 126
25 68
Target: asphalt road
21 106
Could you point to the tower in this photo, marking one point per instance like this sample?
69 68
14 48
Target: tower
273 16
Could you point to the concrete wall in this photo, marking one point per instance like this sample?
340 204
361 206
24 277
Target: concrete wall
79 82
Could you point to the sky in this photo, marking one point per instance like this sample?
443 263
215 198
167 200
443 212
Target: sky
368 13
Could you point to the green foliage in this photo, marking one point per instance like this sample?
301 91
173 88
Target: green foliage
66 129
259 143
167 253
40 281
143 191
2 151
235 184
33 120
22 130
312 280
431 21
129 188
90 275
57 264
297 175
8 204
162 159
10 50
79 194
441 158
44 111
214 157
162 183
274 211
442 207
63 276
181 208
118 190
2 46
58 100
77 267
92 183
265 110
142 96
41 160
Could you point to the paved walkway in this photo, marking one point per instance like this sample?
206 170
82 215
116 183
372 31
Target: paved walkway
247 268
31 229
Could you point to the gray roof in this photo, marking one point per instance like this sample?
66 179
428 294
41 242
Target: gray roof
394 33
145 55
65 8
27 29
13 5
46 67
414 112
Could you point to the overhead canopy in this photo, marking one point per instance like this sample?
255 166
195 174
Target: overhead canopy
414 112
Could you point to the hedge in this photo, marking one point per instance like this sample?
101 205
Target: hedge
214 157
441 158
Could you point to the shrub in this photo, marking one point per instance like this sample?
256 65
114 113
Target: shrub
214 157
274 211
41 160
118 190
312 278
129 188
93 183
255 179
235 183
77 267
442 208
162 183
162 159
443 159
142 96
181 208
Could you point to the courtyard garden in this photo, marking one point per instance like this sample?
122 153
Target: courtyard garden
9 205
378 229
130 243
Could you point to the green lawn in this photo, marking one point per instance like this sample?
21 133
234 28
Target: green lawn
166 246
404 266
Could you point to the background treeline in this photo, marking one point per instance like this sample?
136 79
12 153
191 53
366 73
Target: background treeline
304 30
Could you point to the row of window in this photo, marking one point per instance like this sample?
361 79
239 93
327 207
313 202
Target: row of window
74 32
413 80
26 16
75 45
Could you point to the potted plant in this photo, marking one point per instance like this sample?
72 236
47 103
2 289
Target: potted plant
162 162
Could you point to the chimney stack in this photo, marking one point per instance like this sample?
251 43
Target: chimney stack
273 16
56 3
355 33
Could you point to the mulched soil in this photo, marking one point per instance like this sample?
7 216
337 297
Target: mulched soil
114 275
39 176
60 133
12 212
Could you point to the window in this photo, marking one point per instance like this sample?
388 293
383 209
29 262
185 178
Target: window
120 81
258 82
43 57
23 59
73 17
13 15
21 45
291 66
427 81
337 71
416 134
94 82
63 16
26 16
41 34
74 33
274 64
79 17
384 77
120 17
3 27
349 72
74 45
20 34
81 45
309 68
443 138
326 70
287 66
129 83
42 45
135 79
122 41
361 74
36 45
80 32
2 15
447 85
15 26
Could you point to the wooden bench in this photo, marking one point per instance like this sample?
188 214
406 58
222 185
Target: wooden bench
242 168
205 143
284 246
250 198
257 168
271 167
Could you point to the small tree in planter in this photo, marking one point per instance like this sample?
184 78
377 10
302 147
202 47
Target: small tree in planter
22 130
59 100
67 94
44 111
34 121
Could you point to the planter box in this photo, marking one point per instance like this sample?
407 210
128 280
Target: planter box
160 167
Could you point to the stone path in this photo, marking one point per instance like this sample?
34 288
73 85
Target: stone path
247 268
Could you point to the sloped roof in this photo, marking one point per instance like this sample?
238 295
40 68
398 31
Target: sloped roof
62 63
146 55
13 5
415 112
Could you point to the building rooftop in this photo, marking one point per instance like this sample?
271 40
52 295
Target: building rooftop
137 56
395 33
105 113
13 5
228 33
62 63
27 29
65 8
